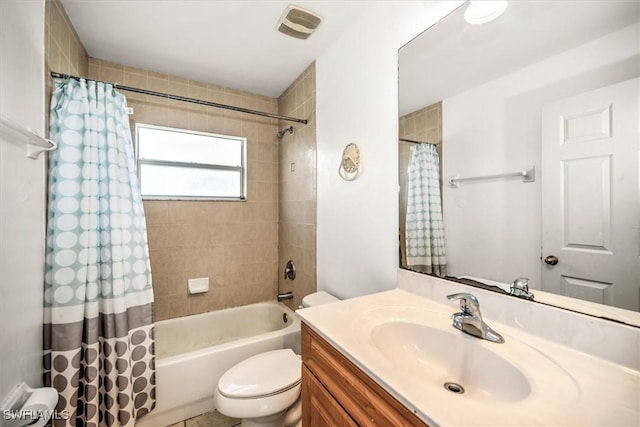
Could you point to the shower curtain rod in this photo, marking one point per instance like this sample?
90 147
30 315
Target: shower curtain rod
413 141
56 75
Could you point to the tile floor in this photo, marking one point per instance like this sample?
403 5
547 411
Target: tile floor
210 419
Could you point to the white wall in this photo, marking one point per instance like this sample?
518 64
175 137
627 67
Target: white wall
493 229
357 101
22 207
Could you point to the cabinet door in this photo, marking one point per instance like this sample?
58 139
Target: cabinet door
319 408
355 392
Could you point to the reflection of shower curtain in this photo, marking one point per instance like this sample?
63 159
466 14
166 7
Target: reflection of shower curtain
98 328
424 228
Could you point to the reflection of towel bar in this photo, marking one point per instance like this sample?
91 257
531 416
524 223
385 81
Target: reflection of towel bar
528 175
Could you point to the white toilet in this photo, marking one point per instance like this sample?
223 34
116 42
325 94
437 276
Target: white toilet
264 390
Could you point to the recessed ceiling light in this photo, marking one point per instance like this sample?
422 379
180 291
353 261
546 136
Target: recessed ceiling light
483 11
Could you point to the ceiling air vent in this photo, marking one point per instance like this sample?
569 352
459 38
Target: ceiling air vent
298 22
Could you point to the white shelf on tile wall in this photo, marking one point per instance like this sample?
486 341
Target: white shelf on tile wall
14 133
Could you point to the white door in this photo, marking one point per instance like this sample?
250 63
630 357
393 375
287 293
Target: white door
590 203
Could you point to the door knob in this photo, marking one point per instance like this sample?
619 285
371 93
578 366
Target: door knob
551 260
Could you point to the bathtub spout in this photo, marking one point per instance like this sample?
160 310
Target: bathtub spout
285 296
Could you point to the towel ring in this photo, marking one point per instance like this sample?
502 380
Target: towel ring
350 168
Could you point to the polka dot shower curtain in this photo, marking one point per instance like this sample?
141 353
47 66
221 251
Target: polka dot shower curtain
424 229
98 326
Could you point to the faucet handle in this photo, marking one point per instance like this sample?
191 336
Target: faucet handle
468 303
520 288
521 283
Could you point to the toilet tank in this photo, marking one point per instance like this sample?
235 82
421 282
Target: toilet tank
318 298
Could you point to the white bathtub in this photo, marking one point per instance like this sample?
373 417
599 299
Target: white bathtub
193 352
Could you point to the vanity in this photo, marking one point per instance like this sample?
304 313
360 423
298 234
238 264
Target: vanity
394 358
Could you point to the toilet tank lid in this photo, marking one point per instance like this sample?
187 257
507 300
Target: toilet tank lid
318 298
262 375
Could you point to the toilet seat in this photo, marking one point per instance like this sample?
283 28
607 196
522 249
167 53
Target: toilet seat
263 375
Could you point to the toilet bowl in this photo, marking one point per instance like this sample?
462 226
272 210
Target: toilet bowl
264 390
261 388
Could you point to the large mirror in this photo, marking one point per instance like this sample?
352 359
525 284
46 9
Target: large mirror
519 150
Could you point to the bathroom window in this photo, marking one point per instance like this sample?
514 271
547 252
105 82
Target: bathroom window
178 164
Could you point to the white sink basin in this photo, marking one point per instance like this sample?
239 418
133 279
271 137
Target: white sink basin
427 350
449 357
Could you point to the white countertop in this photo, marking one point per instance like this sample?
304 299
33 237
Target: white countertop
568 388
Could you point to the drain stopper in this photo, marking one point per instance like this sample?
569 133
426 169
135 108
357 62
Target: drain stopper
454 388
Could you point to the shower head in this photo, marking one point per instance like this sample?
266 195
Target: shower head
281 133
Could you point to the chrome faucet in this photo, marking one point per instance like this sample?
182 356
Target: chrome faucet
469 320
520 288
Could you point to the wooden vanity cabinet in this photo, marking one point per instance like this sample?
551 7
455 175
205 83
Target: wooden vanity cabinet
335 392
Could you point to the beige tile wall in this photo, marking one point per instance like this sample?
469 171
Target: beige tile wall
64 51
424 125
235 244
298 187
